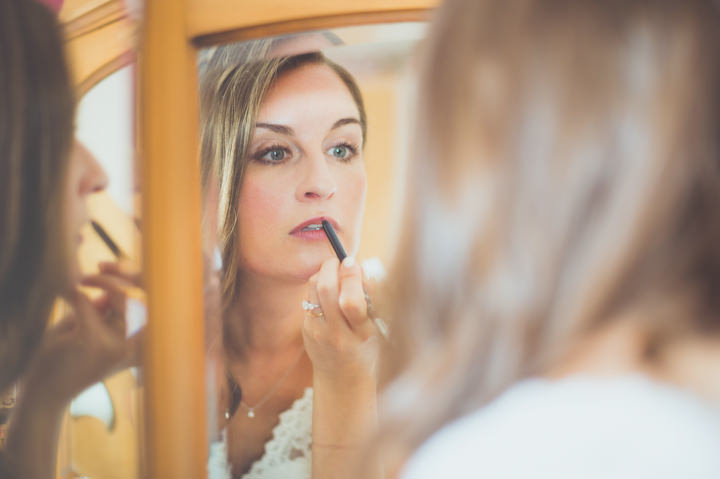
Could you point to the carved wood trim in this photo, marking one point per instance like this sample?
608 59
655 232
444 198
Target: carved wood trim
312 23
96 17
104 71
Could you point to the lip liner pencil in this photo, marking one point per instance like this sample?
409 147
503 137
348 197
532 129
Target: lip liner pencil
341 255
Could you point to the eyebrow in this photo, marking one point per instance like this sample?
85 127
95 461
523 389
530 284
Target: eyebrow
286 130
345 121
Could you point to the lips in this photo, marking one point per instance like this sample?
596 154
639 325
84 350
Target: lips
312 228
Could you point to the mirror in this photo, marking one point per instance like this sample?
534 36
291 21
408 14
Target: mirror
284 145
103 425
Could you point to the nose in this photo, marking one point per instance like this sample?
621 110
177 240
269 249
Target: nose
317 181
93 178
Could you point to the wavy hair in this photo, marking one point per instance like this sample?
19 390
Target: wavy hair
231 95
565 172
37 108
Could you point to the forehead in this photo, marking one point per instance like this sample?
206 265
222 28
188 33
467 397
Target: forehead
305 92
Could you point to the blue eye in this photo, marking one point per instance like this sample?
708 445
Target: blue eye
342 152
273 154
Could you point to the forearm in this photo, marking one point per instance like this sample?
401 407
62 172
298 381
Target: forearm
31 447
344 418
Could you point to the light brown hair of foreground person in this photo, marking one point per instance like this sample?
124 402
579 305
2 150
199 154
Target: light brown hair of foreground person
36 131
565 178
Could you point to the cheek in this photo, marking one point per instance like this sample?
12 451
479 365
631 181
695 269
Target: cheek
73 214
74 204
261 210
357 189
354 204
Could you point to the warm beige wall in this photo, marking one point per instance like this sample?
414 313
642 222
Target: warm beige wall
380 157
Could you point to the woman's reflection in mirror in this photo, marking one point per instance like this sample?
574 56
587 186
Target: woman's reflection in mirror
283 139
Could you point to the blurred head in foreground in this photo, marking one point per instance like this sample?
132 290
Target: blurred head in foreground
564 193
44 179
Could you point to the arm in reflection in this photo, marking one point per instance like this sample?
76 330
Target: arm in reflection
76 352
343 345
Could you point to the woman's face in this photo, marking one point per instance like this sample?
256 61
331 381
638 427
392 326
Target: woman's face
85 176
304 164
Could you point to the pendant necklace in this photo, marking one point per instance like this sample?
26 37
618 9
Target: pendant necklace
236 391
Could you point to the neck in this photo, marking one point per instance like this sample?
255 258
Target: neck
613 350
694 364
690 363
266 315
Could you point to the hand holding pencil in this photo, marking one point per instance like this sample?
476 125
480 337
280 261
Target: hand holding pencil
341 255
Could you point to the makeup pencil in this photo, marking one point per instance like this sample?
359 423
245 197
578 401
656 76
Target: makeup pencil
341 255
334 240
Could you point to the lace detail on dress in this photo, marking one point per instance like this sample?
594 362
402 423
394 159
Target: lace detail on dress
287 454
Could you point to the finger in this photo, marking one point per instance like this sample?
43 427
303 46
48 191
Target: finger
134 349
372 280
102 303
314 320
83 308
114 286
373 275
122 272
352 297
65 325
107 329
328 294
311 330
106 281
130 352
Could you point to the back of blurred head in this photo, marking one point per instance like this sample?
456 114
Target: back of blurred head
36 126
565 176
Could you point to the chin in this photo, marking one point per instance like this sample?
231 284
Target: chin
74 275
303 273
308 267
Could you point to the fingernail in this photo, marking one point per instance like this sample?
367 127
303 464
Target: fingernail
349 262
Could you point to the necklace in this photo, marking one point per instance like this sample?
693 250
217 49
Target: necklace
236 391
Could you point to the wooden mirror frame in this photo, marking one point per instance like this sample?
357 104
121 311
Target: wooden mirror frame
100 38
175 386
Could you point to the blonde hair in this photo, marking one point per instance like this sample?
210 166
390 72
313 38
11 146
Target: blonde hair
232 92
36 127
566 170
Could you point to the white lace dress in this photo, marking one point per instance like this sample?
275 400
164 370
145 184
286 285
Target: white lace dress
287 454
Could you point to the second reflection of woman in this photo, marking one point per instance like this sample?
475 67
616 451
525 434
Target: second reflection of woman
284 139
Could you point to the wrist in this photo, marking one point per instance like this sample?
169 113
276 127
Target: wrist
37 395
345 381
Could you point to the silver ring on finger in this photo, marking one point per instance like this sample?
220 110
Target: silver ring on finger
313 310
